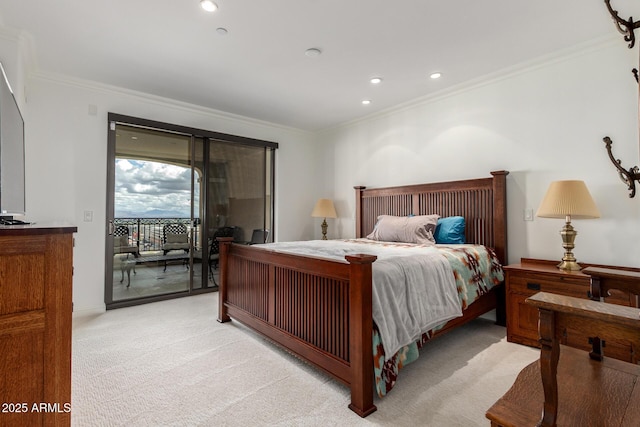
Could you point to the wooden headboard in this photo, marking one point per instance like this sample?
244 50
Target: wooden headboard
482 202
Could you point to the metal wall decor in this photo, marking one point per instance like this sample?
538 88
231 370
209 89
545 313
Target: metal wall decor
626 28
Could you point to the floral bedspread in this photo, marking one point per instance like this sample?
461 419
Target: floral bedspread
476 269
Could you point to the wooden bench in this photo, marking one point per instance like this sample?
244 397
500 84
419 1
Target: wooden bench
572 387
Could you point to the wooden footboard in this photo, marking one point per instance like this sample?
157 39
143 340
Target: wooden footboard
318 309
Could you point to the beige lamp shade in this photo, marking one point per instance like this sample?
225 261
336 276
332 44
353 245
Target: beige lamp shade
324 209
568 198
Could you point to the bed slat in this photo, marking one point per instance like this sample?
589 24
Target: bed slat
314 309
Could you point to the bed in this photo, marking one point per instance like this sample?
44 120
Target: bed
321 309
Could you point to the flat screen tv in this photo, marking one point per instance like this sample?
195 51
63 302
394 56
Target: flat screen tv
12 178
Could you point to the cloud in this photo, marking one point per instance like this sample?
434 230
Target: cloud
144 189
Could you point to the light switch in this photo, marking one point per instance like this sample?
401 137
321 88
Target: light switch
88 216
528 214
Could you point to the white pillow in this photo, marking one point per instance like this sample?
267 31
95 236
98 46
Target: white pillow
406 229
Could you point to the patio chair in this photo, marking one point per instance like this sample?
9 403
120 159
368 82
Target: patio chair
122 250
214 250
121 243
175 238
259 235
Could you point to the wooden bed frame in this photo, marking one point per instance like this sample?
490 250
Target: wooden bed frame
321 310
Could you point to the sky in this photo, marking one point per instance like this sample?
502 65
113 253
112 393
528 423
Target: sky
146 189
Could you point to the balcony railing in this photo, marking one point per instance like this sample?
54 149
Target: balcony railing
148 235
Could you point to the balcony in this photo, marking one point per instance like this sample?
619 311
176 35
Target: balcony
147 233
148 271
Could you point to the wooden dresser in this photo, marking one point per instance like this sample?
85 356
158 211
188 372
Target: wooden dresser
531 276
36 270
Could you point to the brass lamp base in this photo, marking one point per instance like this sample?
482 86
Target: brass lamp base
568 234
569 265
324 227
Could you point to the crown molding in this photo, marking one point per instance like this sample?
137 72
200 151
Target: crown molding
9 34
25 44
104 88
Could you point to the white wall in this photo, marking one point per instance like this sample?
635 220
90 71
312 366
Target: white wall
542 123
66 156
66 159
12 57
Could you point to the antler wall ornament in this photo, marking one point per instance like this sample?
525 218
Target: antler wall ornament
626 28
630 176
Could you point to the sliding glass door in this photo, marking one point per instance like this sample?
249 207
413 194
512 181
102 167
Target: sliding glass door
156 206
171 192
239 189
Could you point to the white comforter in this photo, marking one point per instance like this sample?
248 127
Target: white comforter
414 288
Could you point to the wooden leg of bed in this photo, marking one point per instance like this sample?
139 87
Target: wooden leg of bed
225 244
361 335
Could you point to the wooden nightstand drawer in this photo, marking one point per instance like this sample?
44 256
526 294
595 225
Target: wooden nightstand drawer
529 284
568 285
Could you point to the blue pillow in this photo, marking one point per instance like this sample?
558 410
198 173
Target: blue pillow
450 230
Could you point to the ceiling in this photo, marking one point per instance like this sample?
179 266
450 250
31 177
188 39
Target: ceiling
259 69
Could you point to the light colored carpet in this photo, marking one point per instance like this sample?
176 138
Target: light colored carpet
171 363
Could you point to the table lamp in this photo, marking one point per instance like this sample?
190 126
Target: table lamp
324 209
567 199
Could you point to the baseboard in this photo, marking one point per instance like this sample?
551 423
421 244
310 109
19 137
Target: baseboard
89 311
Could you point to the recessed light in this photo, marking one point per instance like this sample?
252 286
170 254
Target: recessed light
435 75
208 5
313 52
221 31
366 102
376 80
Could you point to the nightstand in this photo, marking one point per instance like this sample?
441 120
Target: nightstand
531 276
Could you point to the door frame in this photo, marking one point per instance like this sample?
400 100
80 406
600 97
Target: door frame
112 120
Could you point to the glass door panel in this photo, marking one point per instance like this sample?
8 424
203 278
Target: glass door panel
200 265
238 204
154 230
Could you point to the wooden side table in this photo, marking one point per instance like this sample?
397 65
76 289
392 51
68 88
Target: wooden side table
530 276
524 280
